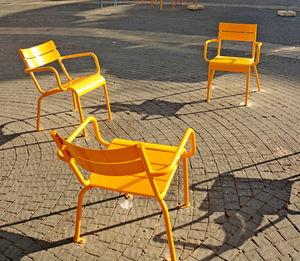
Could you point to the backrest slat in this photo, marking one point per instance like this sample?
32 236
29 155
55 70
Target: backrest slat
237 32
39 55
119 162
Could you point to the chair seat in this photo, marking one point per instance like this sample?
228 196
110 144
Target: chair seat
85 84
228 63
160 156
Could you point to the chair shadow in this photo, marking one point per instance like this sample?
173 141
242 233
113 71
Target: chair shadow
153 109
24 245
4 138
240 221
244 202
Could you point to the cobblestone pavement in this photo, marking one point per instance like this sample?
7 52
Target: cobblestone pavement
244 179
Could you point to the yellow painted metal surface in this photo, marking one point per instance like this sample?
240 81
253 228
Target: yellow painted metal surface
36 57
234 32
129 167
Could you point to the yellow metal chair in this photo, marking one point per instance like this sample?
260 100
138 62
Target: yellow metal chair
36 57
129 167
234 32
160 4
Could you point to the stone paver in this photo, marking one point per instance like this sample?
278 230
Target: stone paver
244 180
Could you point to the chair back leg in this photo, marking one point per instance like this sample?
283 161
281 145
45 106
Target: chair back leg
168 229
77 237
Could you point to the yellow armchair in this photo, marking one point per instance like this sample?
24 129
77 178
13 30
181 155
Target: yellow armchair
36 57
129 167
234 32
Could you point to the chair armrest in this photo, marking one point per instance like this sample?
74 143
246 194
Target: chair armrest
180 152
41 69
257 53
205 48
76 56
96 130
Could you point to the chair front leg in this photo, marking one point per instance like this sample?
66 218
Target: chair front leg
38 119
186 183
211 74
74 102
247 87
80 111
168 229
256 77
77 238
107 102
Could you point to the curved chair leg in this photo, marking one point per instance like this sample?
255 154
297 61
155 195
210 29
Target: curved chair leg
247 88
74 101
211 74
186 183
80 112
257 79
168 229
107 102
77 237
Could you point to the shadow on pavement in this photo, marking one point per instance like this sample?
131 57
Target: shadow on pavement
244 202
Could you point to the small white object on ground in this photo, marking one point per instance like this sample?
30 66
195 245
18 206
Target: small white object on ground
195 7
126 204
286 13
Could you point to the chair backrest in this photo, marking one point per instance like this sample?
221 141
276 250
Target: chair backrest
118 162
39 55
237 32
123 161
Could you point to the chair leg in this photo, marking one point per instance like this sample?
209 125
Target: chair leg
161 5
186 184
107 102
74 102
151 4
211 74
77 237
80 112
247 88
168 229
38 119
257 79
